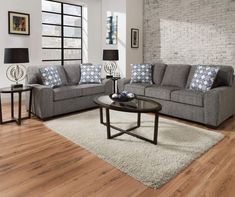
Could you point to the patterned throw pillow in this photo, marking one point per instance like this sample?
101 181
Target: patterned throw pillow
141 73
90 74
203 78
50 77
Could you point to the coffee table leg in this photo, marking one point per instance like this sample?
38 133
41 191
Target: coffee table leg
155 128
108 124
138 120
101 115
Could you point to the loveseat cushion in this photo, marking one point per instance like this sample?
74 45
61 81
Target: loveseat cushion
176 75
158 73
67 92
136 88
91 89
73 73
188 97
160 92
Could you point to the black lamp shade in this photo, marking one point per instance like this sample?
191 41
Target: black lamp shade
110 55
16 55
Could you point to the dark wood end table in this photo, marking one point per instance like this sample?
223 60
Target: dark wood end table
18 91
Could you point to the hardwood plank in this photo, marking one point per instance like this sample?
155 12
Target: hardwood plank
35 161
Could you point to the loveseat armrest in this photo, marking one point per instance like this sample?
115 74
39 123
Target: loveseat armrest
121 83
108 83
219 105
42 100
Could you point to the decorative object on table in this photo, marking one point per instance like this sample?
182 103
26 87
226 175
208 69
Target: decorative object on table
141 73
134 38
204 78
122 97
16 72
111 56
13 91
90 74
50 76
111 28
18 23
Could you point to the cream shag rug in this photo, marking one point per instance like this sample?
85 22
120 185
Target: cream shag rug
153 165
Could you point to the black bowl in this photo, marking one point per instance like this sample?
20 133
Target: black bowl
122 99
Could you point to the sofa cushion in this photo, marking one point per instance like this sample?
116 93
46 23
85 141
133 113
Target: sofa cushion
224 76
136 88
188 97
50 76
91 89
141 73
176 75
67 92
90 74
73 73
203 78
158 73
160 92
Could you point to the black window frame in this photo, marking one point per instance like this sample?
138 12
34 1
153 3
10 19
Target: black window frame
62 48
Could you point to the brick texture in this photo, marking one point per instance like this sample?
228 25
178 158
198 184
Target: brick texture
189 31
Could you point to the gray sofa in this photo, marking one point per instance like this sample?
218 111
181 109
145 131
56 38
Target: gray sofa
70 97
170 89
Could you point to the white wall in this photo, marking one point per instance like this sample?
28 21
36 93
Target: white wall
118 8
134 19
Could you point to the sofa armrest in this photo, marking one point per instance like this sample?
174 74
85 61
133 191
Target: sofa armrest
121 83
108 83
42 100
219 105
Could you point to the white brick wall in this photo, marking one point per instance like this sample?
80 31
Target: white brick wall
189 31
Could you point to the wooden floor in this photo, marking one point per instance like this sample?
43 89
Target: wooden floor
34 161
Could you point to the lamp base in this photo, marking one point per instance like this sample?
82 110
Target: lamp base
15 86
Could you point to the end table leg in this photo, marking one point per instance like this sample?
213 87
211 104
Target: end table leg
156 128
108 123
30 103
12 105
19 114
0 110
101 115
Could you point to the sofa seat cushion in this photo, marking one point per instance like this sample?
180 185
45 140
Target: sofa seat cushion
188 97
136 88
160 92
67 92
91 89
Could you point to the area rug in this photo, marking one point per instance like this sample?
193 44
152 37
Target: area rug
153 165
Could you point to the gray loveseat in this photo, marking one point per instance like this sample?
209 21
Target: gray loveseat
70 97
171 90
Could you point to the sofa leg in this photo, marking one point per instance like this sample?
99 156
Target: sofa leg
212 127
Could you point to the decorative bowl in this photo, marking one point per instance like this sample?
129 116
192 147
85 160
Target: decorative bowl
122 98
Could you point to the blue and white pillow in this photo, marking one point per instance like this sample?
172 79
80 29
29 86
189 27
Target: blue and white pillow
50 76
203 78
90 74
141 73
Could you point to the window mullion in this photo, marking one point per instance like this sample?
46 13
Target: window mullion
62 33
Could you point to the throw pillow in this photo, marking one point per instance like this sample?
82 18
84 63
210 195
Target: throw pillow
50 77
90 74
141 73
204 78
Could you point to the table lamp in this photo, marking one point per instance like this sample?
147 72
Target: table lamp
16 72
110 66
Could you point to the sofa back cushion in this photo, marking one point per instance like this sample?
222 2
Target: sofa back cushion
224 76
34 75
176 75
73 73
158 73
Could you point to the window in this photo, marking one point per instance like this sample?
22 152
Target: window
61 32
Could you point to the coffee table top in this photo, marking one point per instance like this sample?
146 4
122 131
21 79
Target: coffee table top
139 104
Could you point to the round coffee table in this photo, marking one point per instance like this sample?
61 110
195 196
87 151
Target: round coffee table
138 105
